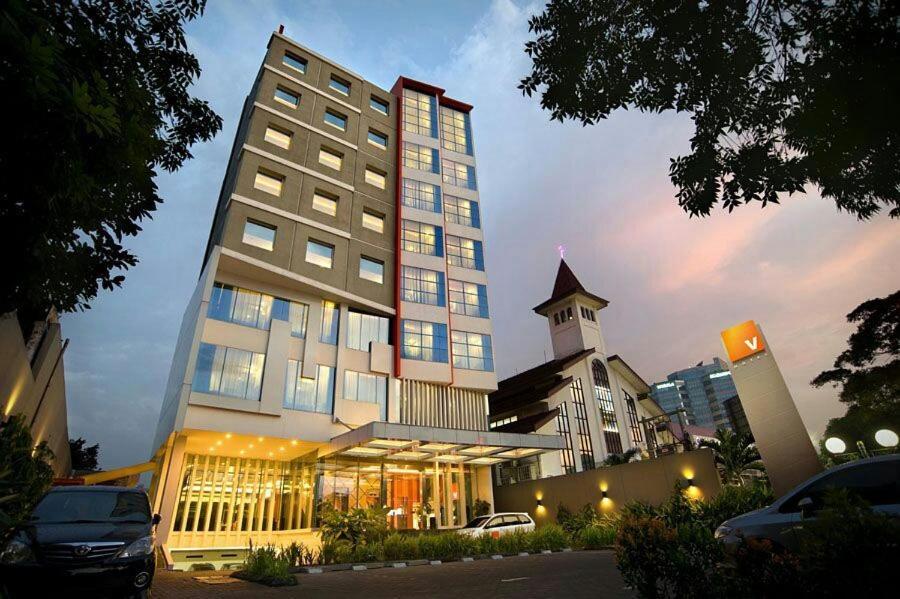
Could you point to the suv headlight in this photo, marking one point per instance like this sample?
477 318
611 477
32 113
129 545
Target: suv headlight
723 531
143 546
16 552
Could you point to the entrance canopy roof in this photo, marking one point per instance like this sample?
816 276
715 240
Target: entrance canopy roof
423 444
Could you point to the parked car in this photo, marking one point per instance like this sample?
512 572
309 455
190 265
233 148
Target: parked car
876 480
97 539
498 524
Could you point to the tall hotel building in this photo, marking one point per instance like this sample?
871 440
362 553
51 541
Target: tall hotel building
336 352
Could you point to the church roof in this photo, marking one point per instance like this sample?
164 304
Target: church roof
567 284
533 385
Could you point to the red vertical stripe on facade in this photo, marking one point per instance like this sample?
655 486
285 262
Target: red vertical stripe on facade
398 208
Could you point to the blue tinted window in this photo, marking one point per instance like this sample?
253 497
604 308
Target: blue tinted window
295 62
379 105
330 319
377 139
287 97
424 341
336 120
339 85
422 286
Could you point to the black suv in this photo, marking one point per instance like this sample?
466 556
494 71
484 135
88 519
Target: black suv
96 540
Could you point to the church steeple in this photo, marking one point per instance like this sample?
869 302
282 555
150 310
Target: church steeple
572 314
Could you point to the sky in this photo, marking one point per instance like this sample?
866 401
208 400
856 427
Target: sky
673 283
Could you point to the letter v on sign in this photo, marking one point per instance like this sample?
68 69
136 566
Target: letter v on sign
742 341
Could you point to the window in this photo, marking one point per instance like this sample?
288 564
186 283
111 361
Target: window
370 388
569 313
419 157
376 178
458 174
287 97
331 316
422 286
584 432
372 221
379 105
228 371
503 421
309 395
876 483
268 182
567 458
336 120
324 202
419 113
423 196
339 85
294 61
634 423
320 254
330 158
472 351
259 235
556 318
379 140
456 131
371 270
463 252
423 341
363 329
254 309
462 212
564 315
278 137
587 314
607 408
468 298
422 238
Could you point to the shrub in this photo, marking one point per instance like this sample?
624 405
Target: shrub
596 537
734 501
371 552
25 473
515 542
356 526
400 547
481 507
551 537
572 522
267 565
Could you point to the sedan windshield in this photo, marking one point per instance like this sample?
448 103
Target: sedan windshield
63 507
476 522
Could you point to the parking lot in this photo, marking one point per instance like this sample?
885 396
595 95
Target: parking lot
576 574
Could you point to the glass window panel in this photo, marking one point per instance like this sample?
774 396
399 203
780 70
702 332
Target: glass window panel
366 328
259 235
330 158
420 157
424 341
603 393
462 211
424 196
287 97
338 121
375 178
422 238
371 270
330 319
319 254
422 286
278 136
472 351
339 85
309 395
372 221
468 298
324 203
228 371
456 131
419 113
466 253
458 174
295 62
379 105
379 140
268 182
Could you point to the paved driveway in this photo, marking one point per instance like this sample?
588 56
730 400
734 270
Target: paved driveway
571 575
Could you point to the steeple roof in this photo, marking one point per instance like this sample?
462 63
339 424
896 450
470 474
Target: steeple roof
567 284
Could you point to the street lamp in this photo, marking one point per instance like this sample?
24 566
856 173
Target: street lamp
886 438
835 445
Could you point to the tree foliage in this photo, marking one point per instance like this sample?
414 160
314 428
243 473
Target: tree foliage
782 94
97 98
84 456
734 455
25 473
868 371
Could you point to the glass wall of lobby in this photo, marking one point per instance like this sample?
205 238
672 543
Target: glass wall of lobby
222 496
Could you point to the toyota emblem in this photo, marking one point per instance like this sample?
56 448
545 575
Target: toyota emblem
82 550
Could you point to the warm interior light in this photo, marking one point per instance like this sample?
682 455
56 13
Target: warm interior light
218 443
250 446
260 439
281 449
242 452
271 454
227 435
293 441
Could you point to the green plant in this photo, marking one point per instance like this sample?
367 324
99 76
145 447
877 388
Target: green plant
25 473
596 537
400 547
481 507
572 522
733 501
734 455
549 536
266 565
616 459
358 526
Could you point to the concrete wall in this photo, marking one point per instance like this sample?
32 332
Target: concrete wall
650 481
36 388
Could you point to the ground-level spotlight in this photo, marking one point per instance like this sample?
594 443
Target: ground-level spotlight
886 438
835 445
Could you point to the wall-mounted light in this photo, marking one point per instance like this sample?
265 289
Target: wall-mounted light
604 495
690 482
539 503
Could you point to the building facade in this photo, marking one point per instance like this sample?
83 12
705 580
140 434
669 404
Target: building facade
593 400
701 391
337 350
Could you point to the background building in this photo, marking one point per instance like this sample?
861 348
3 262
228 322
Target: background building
701 391
337 350
33 383
593 400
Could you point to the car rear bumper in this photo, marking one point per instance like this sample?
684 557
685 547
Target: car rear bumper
120 575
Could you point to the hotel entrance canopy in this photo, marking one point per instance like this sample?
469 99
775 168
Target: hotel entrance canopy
442 445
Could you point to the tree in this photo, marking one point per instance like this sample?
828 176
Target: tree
84 457
734 455
868 371
782 94
97 98
25 473
616 459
